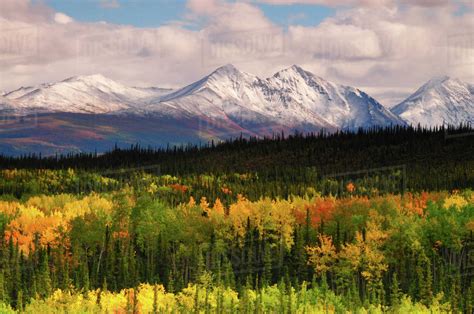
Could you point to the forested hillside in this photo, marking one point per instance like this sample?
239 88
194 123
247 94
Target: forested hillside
416 159
379 221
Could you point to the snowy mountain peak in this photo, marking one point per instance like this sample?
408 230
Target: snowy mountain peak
438 80
442 83
95 80
435 82
88 78
344 107
293 71
296 67
226 69
295 75
226 81
300 70
96 76
228 72
82 94
440 100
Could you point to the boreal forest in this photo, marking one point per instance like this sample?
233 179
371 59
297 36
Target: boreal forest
373 221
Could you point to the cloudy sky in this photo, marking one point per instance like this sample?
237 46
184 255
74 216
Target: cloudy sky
386 47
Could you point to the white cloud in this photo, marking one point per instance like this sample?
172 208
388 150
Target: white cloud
388 48
335 41
62 18
220 16
203 7
25 10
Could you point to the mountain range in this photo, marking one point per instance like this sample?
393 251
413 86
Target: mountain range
87 113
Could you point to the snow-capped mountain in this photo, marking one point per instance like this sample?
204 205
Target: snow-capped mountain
230 96
442 100
82 94
342 106
53 117
294 98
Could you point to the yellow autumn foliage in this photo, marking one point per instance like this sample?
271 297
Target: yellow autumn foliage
323 256
274 219
455 201
9 209
48 216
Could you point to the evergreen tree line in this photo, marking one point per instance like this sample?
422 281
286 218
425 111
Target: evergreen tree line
432 159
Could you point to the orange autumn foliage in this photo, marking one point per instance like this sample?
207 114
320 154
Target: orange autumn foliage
47 218
415 204
179 188
321 209
31 222
192 202
226 191
351 187
218 209
122 234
